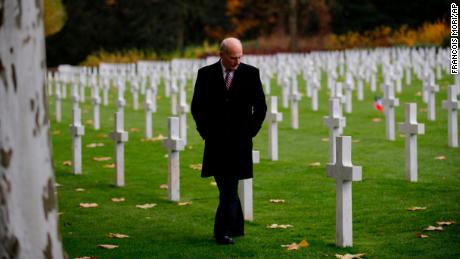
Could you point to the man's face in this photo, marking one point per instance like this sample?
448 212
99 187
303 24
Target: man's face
231 57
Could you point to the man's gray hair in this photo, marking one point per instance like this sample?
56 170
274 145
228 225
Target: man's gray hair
228 41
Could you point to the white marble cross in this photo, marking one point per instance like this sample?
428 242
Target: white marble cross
273 117
360 88
57 100
75 97
344 172
348 95
245 191
431 89
81 82
76 130
335 122
184 108
314 95
408 76
452 105
119 136
105 91
135 93
121 99
389 102
295 99
148 105
411 128
373 83
96 104
285 89
173 145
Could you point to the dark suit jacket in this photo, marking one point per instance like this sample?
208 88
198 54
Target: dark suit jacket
228 119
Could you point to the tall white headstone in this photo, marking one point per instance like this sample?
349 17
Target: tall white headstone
245 191
148 105
335 122
96 104
121 99
344 173
273 117
389 102
76 130
314 95
184 108
173 145
452 105
431 89
57 101
295 98
119 136
411 128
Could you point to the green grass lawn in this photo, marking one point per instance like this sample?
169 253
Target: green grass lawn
382 226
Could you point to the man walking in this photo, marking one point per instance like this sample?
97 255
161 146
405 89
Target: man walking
228 107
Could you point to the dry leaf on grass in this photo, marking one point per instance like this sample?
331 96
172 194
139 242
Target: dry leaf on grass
56 132
89 121
190 147
186 203
440 158
88 205
134 130
164 186
349 256
433 228
315 164
93 145
159 138
146 206
295 246
416 208
213 183
423 110
376 120
356 140
325 139
282 226
166 155
196 166
420 235
57 185
118 199
109 166
67 163
79 190
106 246
117 235
445 223
418 94
277 201
104 158
102 135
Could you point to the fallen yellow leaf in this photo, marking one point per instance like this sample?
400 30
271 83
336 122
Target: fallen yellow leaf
57 185
440 158
134 130
187 203
56 132
106 246
418 94
93 145
349 256
146 206
102 135
118 199
109 166
356 140
423 110
416 208
420 235
67 163
117 235
190 147
304 244
293 246
445 223
89 122
88 205
164 186
105 158
159 138
433 228
274 226
376 120
277 201
325 139
213 183
315 164
79 190
196 166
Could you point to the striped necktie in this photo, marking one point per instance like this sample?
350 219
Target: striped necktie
228 78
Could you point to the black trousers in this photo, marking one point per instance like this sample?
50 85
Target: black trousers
229 215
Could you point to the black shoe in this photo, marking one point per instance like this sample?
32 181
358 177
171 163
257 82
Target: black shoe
225 240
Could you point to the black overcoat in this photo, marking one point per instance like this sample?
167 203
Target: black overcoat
228 119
